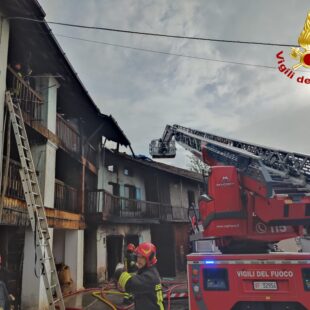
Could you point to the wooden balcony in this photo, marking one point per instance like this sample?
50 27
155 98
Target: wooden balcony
113 207
31 104
30 101
15 209
71 140
69 137
66 197
116 208
14 184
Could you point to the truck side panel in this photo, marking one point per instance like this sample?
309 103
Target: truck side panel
218 283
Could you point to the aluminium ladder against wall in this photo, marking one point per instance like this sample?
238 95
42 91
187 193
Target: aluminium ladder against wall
35 207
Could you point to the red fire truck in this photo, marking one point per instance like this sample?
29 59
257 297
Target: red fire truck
254 197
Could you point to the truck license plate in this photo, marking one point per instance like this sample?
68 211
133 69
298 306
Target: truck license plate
265 285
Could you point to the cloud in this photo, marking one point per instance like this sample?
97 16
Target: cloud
146 91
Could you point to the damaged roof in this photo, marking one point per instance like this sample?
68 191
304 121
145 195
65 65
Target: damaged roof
160 166
73 90
112 131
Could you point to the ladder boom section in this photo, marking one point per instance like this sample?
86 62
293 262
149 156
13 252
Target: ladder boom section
293 164
280 169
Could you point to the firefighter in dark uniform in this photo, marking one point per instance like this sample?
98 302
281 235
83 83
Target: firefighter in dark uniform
145 285
131 267
131 258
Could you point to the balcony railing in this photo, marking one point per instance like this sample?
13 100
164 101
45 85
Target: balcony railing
68 135
14 185
109 205
31 105
66 197
30 101
71 140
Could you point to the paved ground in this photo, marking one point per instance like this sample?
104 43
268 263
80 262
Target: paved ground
87 301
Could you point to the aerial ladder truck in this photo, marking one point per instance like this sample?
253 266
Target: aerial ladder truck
254 197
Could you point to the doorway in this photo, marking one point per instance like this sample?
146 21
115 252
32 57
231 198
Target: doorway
134 239
163 238
12 241
114 252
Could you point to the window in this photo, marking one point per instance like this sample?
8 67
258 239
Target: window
128 172
130 191
122 190
112 168
115 188
138 193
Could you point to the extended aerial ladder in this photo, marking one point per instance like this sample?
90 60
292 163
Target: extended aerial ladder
289 163
35 207
263 194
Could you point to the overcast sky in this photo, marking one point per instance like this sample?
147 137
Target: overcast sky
145 91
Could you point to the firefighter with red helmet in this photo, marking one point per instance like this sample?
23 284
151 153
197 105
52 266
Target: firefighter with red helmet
130 258
131 267
145 285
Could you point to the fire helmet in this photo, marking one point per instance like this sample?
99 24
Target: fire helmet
131 247
148 251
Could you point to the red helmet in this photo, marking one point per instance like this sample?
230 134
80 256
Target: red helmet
131 247
148 251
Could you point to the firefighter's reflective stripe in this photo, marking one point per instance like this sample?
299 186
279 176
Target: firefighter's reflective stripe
159 295
128 295
125 276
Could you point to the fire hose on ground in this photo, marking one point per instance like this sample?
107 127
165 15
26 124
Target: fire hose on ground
110 289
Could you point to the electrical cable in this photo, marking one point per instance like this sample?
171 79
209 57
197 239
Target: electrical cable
154 34
164 53
167 53
172 54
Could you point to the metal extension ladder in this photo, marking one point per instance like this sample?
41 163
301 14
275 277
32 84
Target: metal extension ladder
35 207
